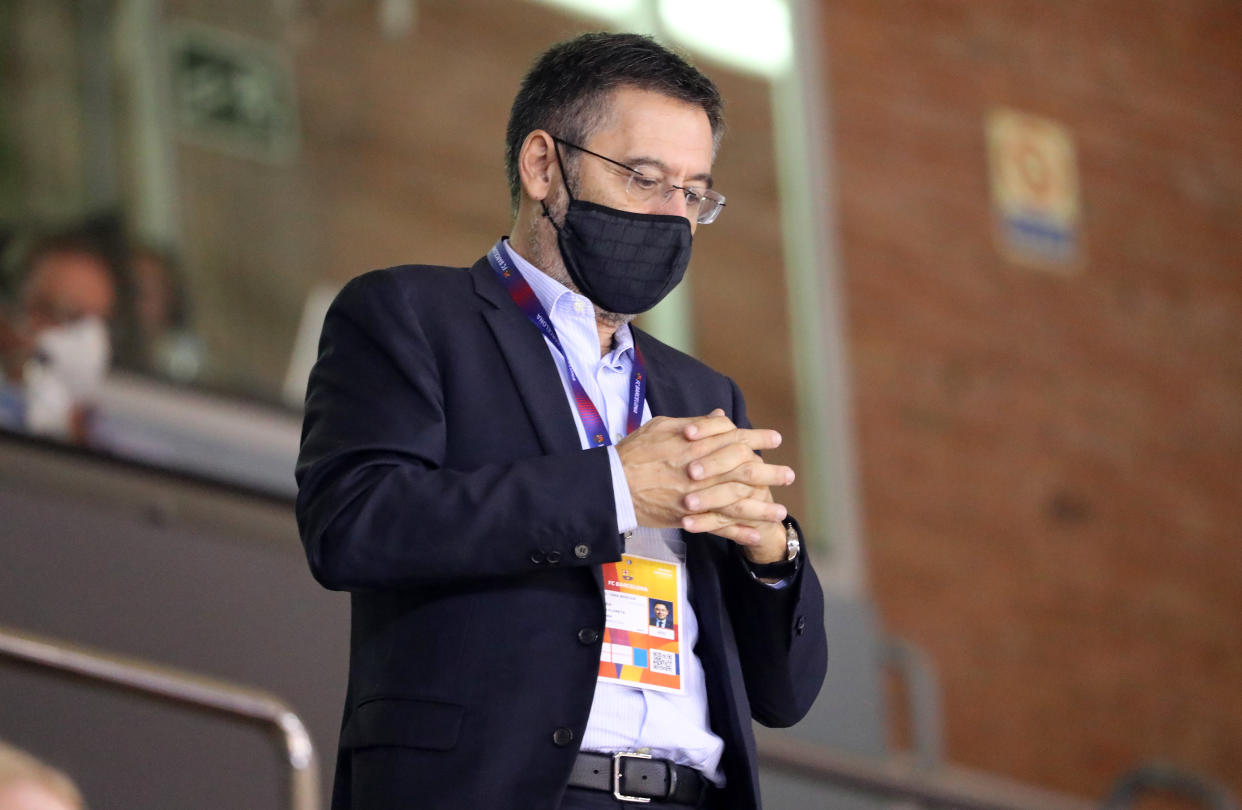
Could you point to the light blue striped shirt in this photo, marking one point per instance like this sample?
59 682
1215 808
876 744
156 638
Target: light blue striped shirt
623 718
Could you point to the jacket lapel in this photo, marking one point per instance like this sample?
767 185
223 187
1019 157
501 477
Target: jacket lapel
663 396
672 397
530 363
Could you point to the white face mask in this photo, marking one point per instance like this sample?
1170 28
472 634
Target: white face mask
68 367
77 353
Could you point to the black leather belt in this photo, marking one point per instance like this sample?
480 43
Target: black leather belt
638 778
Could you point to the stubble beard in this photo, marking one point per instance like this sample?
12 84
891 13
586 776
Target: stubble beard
548 258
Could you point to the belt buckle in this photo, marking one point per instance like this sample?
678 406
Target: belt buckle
616 777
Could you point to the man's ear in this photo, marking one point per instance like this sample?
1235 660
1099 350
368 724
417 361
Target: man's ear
537 166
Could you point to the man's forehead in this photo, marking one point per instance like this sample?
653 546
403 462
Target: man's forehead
650 127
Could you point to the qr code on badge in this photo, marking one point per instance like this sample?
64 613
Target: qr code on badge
664 663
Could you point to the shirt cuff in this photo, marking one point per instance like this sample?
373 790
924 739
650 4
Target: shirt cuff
779 585
627 521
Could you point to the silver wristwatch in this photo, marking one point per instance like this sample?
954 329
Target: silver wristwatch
792 544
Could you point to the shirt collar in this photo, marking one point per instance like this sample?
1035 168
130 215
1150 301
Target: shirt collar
552 295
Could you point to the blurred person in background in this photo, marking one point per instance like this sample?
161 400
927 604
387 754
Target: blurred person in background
28 784
55 347
167 346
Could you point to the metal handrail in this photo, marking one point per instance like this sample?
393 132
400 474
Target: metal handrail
918 675
182 688
904 780
1168 778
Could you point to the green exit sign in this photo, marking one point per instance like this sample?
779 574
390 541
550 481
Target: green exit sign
232 93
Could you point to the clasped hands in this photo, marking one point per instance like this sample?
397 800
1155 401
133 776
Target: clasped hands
704 474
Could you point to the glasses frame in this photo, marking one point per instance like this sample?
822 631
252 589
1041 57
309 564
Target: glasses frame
709 194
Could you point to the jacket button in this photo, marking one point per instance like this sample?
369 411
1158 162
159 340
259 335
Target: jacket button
554 556
582 551
800 625
588 635
563 736
537 557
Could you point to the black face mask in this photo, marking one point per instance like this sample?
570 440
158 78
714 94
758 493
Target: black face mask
624 262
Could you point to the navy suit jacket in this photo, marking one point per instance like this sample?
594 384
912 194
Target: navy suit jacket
442 483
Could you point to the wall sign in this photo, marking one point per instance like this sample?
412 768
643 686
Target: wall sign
1035 199
232 93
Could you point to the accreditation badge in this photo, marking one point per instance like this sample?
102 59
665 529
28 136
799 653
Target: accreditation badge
644 601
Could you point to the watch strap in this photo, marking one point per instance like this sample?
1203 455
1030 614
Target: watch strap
782 568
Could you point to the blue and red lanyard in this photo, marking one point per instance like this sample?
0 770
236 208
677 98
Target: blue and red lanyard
524 297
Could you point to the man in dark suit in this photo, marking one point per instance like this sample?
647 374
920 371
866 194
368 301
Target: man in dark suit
481 448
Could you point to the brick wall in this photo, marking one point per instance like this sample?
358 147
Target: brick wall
1052 463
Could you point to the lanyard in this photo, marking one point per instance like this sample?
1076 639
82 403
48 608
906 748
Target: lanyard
524 297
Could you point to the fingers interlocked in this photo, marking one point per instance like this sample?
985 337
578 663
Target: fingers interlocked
703 474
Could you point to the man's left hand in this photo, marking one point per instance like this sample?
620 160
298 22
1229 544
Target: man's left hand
762 539
735 504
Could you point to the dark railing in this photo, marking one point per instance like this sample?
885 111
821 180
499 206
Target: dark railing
905 780
185 689
896 778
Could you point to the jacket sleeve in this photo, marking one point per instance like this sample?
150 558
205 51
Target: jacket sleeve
378 508
782 644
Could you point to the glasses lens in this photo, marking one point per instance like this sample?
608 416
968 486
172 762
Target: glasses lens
640 188
710 207
703 206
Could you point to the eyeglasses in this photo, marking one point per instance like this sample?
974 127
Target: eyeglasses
703 205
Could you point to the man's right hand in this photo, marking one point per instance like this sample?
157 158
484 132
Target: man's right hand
675 466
